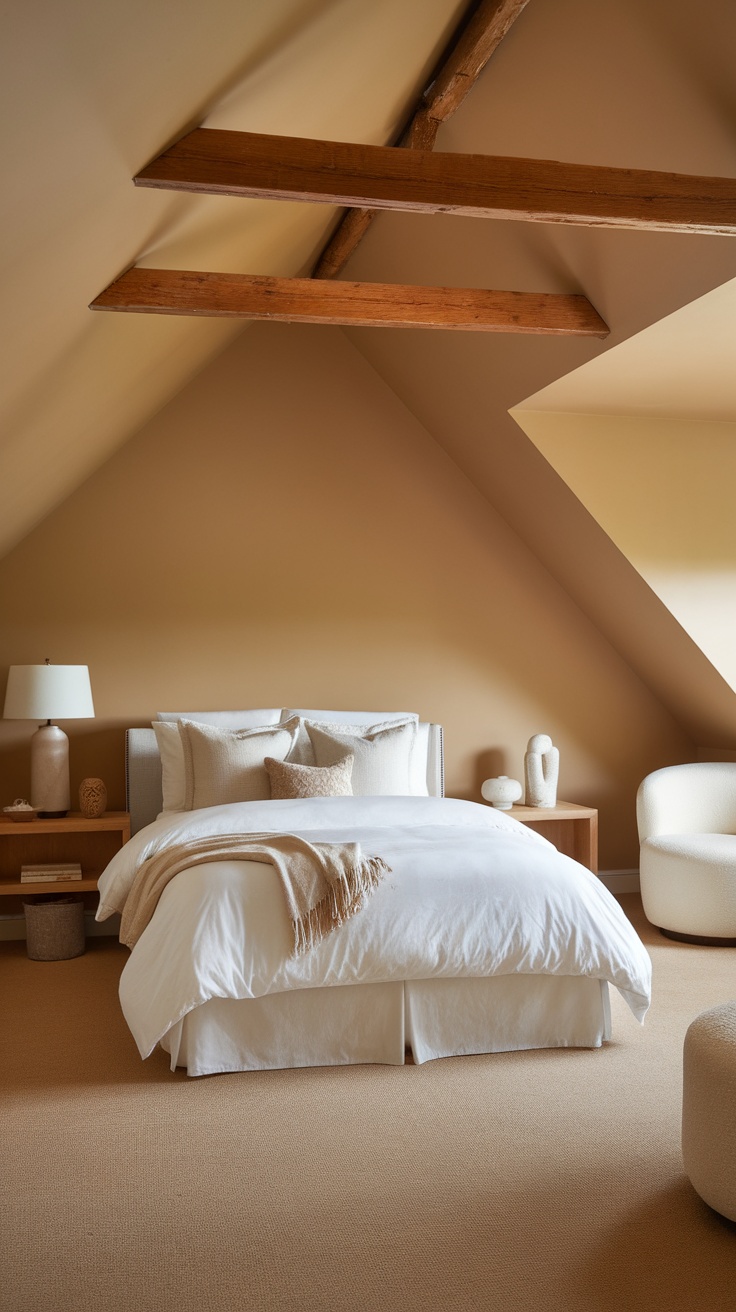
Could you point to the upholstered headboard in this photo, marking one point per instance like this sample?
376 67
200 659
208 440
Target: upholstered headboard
144 796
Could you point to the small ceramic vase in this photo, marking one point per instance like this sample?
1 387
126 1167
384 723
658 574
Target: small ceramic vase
92 798
501 792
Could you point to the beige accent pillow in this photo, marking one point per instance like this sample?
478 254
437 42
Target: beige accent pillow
227 765
383 757
289 780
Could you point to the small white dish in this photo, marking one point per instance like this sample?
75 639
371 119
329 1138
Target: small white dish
20 811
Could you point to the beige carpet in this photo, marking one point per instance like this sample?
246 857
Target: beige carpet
545 1180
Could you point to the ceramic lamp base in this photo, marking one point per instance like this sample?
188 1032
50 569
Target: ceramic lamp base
50 771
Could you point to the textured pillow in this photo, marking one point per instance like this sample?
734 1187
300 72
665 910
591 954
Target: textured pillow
383 757
227 765
171 751
289 780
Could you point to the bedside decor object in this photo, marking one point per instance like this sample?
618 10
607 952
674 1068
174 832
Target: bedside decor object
541 771
501 792
43 692
92 798
21 810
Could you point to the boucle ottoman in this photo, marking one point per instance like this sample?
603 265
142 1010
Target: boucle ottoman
709 1107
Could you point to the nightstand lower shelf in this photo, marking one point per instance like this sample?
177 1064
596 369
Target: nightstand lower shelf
73 837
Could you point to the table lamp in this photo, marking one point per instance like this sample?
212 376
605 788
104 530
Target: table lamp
40 692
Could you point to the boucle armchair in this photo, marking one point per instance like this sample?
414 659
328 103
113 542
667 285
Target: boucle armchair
687 830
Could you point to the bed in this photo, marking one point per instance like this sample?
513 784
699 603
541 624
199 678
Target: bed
480 938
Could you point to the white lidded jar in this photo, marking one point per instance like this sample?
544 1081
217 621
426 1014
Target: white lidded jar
501 792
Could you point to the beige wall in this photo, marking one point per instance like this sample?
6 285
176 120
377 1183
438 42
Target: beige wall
285 531
662 489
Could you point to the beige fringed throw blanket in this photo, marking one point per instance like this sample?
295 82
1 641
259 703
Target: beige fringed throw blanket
324 883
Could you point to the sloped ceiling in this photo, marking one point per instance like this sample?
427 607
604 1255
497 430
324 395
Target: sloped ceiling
95 91
91 93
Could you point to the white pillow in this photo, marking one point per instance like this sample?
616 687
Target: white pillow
170 750
382 758
227 765
225 719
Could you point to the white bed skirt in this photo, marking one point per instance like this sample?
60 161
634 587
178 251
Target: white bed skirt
379 1022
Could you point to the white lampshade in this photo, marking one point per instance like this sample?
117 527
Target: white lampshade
48 692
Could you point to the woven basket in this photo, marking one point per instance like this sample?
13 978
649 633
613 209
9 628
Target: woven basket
55 928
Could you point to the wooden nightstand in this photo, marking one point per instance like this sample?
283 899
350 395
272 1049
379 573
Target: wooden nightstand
573 829
71 838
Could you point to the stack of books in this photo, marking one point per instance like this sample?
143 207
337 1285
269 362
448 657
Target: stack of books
54 873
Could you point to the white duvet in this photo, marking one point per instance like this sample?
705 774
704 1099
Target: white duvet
471 893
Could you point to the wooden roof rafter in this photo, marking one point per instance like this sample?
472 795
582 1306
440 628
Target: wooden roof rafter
310 300
367 179
248 164
355 304
455 76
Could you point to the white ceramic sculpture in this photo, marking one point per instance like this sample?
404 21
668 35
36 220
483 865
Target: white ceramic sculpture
501 792
541 771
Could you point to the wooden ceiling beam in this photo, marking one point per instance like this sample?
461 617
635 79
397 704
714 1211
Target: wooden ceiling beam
249 164
357 304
